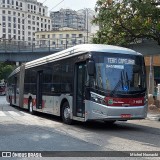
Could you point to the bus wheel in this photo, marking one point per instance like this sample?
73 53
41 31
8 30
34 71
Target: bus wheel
109 122
30 106
66 113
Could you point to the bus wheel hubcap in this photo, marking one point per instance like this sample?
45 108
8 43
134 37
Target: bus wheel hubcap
66 113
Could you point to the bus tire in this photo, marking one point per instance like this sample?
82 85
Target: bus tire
30 106
66 113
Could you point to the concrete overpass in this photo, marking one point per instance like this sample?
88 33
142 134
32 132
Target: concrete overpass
22 53
25 56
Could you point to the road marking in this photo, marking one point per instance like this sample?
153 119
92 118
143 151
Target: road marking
13 113
2 114
26 114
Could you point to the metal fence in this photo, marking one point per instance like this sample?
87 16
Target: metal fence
41 44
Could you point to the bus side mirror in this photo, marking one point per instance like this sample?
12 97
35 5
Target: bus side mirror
91 67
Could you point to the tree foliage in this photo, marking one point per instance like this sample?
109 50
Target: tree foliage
125 21
5 70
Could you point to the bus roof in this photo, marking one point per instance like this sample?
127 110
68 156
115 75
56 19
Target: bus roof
80 49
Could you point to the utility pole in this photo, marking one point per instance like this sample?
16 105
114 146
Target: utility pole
87 22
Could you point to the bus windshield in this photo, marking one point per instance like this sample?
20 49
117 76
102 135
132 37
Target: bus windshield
120 74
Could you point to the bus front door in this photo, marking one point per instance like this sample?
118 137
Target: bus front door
79 105
39 90
15 90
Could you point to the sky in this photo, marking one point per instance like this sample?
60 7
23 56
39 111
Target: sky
71 4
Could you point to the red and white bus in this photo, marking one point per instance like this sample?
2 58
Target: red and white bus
85 82
2 89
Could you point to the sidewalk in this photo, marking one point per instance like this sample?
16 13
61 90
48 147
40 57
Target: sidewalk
153 113
153 116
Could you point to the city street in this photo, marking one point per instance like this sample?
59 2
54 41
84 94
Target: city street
20 131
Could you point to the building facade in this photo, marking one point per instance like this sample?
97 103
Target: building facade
79 20
62 38
20 19
67 18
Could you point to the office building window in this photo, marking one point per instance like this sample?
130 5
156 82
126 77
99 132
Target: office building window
4 24
14 19
4 30
9 30
9 19
9 36
73 35
43 36
3 18
9 24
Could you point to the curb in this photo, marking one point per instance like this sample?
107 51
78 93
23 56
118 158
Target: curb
153 117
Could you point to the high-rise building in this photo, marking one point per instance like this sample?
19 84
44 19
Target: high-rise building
20 19
79 20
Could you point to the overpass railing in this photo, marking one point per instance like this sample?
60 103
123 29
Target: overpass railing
41 45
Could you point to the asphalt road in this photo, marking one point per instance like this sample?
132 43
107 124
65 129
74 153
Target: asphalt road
20 131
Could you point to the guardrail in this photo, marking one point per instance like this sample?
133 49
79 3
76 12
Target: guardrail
41 44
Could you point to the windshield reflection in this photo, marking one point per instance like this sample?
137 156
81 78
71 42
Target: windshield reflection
119 74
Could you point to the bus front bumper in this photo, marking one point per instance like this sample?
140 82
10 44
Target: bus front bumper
95 111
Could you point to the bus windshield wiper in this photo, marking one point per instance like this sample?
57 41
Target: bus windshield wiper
123 81
116 87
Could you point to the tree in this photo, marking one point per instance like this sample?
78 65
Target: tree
126 21
5 70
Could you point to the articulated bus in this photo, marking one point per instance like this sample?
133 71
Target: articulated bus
2 89
85 82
